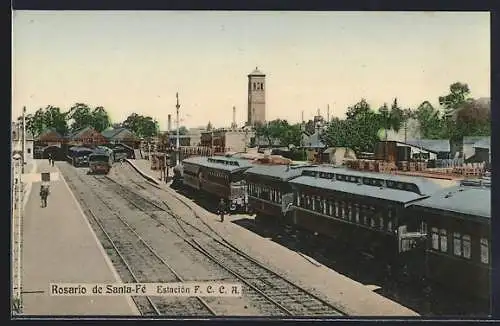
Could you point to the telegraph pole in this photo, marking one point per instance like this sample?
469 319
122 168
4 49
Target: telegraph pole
177 106
24 140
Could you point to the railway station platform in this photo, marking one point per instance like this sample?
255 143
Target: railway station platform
59 246
352 297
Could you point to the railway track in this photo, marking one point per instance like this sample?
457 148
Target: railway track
136 260
273 293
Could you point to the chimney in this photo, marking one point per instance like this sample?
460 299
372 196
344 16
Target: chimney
328 113
234 118
302 116
169 123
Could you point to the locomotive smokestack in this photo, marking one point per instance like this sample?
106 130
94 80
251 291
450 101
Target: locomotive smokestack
169 123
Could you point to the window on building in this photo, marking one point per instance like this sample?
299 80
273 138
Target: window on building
443 240
357 212
485 251
324 206
435 238
381 222
29 150
330 208
344 213
350 209
336 209
254 86
457 244
466 246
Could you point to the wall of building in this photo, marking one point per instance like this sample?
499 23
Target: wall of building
238 141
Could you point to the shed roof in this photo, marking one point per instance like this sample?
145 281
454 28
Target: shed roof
48 131
314 141
426 186
475 139
474 201
77 134
483 143
435 145
394 195
280 172
223 163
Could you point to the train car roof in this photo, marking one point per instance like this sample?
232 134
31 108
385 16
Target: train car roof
426 186
280 172
468 200
219 162
395 195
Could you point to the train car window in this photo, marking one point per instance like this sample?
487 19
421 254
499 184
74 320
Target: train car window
444 240
318 204
357 212
466 246
485 251
457 244
435 238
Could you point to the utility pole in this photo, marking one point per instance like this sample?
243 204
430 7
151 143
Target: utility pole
17 235
177 106
24 140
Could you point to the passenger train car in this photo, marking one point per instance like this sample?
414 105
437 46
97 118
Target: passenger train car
438 229
270 195
458 246
218 176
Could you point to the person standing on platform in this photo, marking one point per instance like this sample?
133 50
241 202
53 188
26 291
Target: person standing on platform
222 209
44 194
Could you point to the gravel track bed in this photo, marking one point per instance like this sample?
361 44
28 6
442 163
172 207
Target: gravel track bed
143 263
293 300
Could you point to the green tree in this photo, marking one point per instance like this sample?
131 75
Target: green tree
458 94
359 109
432 125
142 126
81 114
43 118
101 120
397 116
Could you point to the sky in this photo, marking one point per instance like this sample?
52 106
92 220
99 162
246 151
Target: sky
136 61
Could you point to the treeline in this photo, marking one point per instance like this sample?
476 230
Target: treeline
362 127
82 115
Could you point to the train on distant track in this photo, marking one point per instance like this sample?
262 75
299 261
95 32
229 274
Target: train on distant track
438 229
